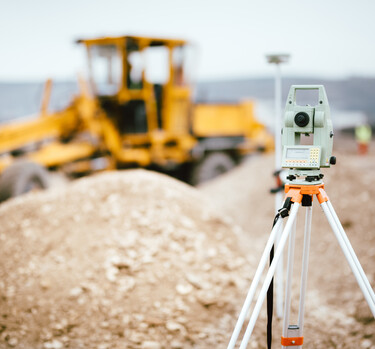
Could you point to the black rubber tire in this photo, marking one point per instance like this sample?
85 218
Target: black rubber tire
211 166
22 177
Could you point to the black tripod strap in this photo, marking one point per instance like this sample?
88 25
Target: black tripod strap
270 305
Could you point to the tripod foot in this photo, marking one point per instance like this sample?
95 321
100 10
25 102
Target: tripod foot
291 341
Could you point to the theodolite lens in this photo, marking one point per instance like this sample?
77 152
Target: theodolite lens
301 119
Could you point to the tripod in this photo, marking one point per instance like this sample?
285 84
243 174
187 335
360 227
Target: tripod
297 195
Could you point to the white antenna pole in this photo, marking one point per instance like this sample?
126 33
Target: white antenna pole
277 59
278 126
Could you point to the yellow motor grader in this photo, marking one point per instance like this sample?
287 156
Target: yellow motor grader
135 110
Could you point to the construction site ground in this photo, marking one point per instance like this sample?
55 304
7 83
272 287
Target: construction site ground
136 259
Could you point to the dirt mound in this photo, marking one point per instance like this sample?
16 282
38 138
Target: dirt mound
129 259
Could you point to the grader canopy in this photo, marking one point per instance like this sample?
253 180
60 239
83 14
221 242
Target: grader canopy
142 78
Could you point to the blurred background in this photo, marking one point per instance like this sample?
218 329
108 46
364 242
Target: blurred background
137 259
329 43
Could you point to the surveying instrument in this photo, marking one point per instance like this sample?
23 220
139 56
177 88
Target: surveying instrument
304 181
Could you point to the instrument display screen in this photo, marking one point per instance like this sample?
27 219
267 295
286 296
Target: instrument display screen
301 156
298 153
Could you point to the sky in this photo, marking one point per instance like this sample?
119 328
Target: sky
325 38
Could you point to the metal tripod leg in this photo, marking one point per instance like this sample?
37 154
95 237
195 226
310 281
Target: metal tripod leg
305 266
289 277
279 279
296 330
270 273
279 275
254 285
350 255
354 256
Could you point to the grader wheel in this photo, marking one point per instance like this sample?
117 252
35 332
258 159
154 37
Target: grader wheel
211 166
22 177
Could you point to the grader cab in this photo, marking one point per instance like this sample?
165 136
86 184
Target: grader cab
140 85
135 110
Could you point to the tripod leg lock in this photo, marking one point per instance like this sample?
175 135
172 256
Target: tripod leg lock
284 211
322 196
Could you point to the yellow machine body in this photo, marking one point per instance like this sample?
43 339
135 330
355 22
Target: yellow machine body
124 116
231 120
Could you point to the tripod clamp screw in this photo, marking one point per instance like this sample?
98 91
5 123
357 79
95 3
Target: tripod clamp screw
284 211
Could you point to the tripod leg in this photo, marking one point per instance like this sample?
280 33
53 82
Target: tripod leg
279 280
254 285
289 277
360 276
351 250
294 332
270 273
305 265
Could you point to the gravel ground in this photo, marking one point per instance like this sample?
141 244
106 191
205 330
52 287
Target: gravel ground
135 259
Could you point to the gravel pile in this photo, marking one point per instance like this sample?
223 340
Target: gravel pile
130 259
